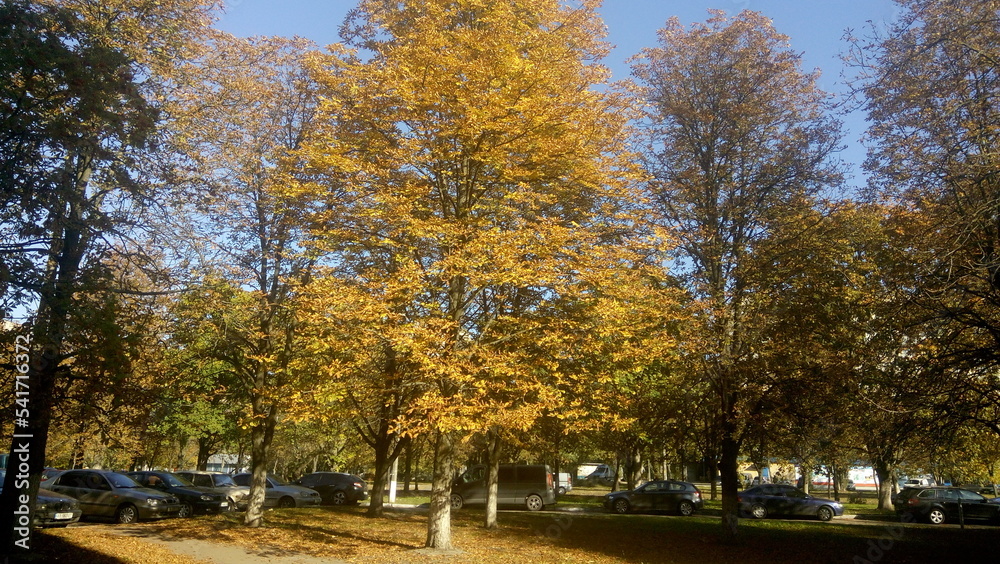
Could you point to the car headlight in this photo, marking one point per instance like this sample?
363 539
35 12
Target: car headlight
206 498
153 501
41 507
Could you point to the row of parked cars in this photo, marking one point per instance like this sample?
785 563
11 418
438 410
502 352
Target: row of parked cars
126 497
758 502
933 504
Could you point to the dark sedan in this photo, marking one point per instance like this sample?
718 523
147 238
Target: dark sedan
193 499
109 494
676 497
336 488
52 509
942 505
777 499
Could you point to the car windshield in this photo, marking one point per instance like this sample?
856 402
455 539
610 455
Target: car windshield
121 480
174 481
276 480
222 480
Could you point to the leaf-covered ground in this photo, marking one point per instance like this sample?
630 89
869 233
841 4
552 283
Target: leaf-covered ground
346 535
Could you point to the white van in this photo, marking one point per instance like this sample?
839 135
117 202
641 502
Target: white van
564 483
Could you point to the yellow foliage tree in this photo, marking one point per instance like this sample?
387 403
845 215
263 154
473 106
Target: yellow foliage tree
470 183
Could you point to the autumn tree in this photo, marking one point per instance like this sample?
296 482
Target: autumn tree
80 93
468 178
245 105
929 84
739 138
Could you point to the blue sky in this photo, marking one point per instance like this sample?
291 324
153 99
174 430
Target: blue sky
815 29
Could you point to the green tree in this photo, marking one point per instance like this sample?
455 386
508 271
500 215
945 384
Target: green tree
930 84
78 108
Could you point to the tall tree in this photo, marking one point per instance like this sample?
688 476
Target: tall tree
472 181
739 139
246 106
930 85
79 95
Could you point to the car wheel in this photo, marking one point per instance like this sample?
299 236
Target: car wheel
456 501
621 505
534 502
126 514
232 505
186 510
339 497
936 516
685 508
824 513
562 490
758 511
286 502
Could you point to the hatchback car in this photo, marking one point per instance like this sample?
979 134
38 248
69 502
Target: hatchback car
193 499
776 499
668 495
281 494
109 494
942 504
221 482
336 488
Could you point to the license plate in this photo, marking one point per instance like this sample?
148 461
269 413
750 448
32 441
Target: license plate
224 504
64 515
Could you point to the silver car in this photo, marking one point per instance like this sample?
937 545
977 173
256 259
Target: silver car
281 494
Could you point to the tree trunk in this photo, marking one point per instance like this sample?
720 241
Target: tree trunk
387 448
376 503
729 469
205 445
884 473
635 468
261 435
408 467
492 480
32 416
439 517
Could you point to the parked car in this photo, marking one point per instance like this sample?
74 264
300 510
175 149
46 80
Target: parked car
985 489
336 488
667 495
776 499
102 493
52 509
939 504
564 483
193 499
279 493
527 485
918 483
239 496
